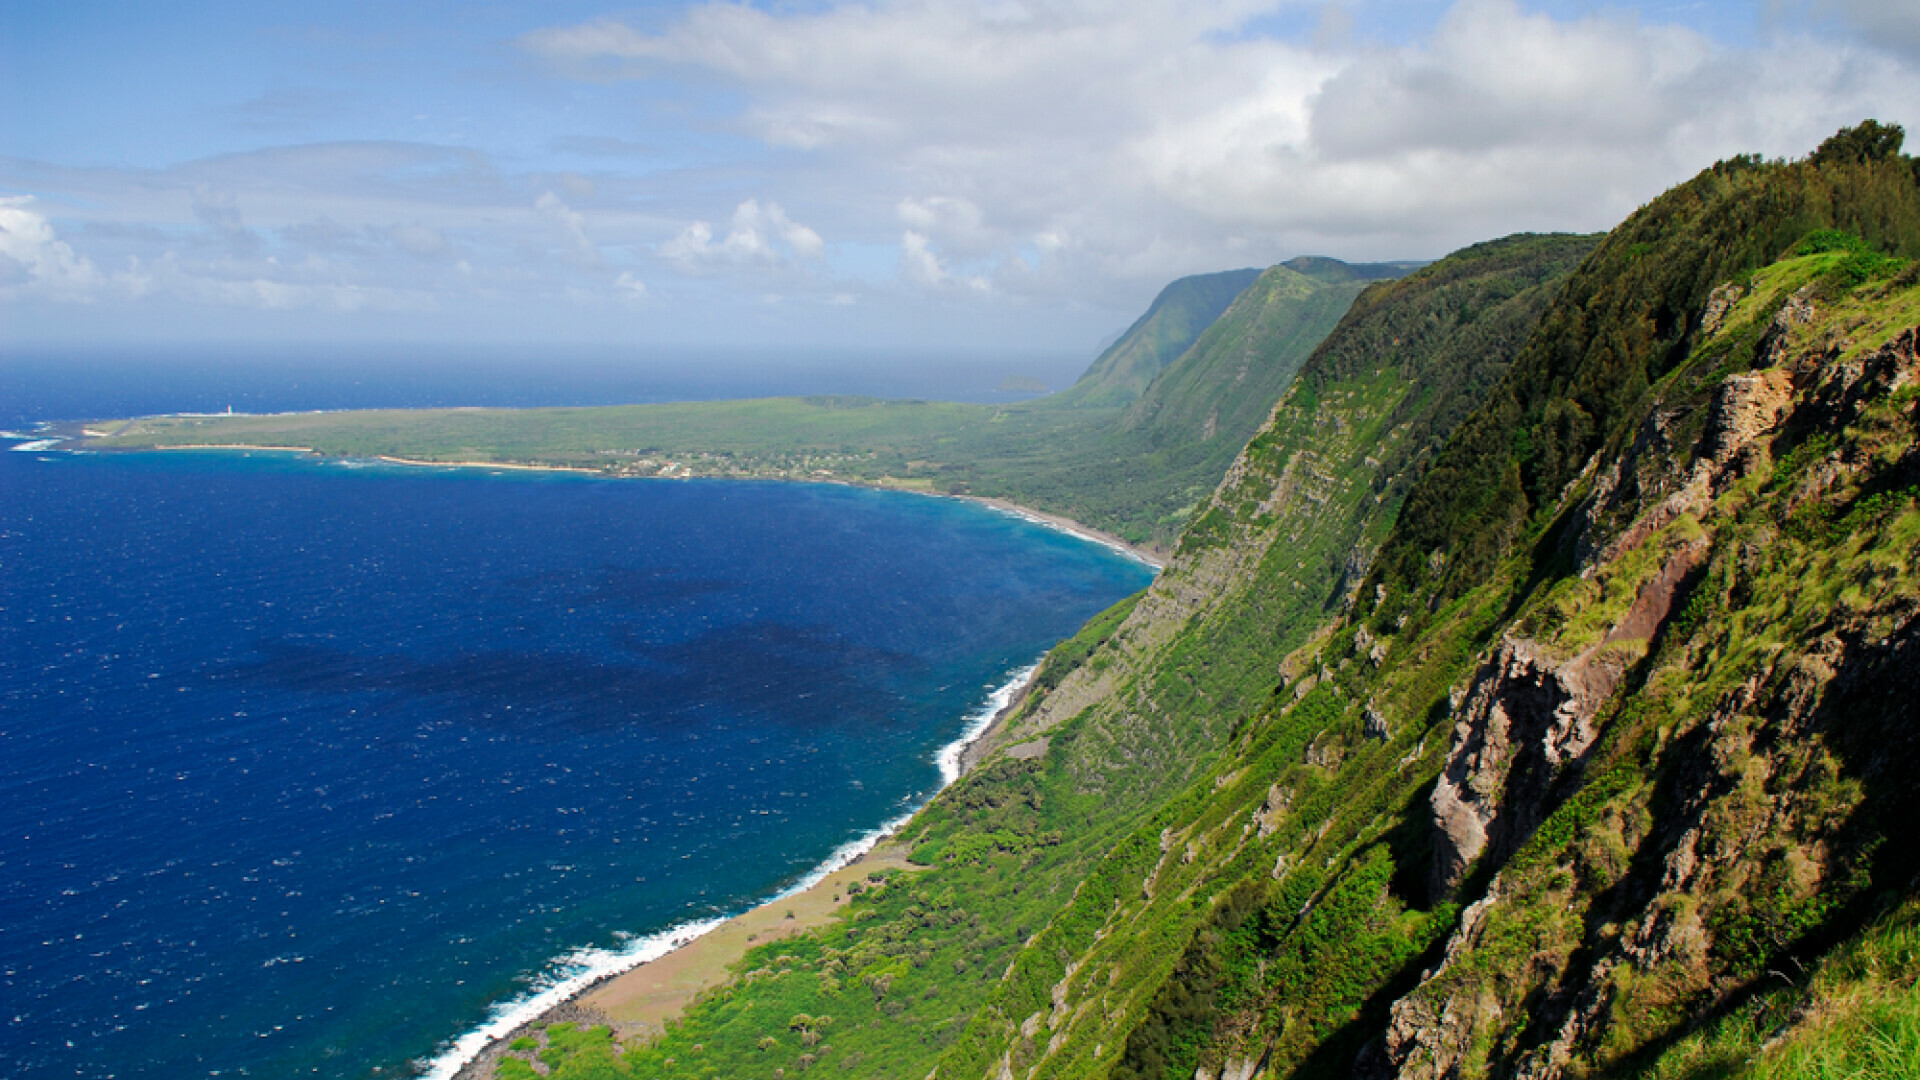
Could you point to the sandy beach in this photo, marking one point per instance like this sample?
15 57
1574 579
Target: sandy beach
485 465
1152 558
639 1000
241 446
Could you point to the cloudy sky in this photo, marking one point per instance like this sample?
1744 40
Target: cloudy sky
987 176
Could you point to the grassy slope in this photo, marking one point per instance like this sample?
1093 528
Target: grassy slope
1276 549
1154 465
1177 316
1068 454
1304 857
1131 708
1183 311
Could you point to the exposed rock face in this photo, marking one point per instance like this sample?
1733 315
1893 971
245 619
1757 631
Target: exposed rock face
1273 811
1524 722
1747 408
1767 789
1524 728
1427 1036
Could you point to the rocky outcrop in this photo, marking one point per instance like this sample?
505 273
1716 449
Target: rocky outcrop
1526 721
1525 726
1427 1036
1761 828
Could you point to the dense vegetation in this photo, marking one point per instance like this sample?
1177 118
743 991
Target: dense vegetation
1628 319
1178 316
1598 769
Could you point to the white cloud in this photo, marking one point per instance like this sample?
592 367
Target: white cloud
1892 24
271 286
219 210
918 263
1059 160
958 222
760 234
417 239
33 257
1163 137
922 266
44 265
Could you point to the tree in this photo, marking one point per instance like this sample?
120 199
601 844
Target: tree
1870 140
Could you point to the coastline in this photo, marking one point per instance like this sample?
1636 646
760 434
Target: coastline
646 983
1071 527
240 446
1110 541
642 982
485 465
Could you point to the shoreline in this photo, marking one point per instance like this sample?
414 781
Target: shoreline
486 465
239 446
652 978
1116 544
1058 522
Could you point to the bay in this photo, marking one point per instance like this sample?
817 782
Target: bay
305 765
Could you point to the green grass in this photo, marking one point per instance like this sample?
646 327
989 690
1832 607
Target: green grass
1856 1018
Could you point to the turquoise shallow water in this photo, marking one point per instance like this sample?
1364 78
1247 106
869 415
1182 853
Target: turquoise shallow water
306 765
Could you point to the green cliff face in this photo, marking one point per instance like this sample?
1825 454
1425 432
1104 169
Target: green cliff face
1181 312
1612 747
1154 464
1187 308
1534 697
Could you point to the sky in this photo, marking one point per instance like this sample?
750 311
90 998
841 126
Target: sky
979 177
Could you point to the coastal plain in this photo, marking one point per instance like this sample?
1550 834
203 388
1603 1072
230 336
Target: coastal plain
1129 450
641 1000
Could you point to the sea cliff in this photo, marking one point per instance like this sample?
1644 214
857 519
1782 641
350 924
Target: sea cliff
1532 698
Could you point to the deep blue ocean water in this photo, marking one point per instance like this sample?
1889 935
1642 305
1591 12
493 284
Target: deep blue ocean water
305 765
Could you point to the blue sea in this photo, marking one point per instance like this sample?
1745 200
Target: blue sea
309 767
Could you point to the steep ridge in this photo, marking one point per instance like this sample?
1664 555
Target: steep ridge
1127 713
1591 778
1177 316
1278 549
1187 307
1163 456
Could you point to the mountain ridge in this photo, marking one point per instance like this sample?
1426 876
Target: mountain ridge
1178 315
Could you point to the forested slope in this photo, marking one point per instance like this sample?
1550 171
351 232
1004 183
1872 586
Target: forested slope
1181 313
1610 752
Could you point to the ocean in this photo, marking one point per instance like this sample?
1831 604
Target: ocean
309 767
